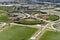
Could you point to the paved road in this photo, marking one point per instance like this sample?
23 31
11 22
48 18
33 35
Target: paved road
2 25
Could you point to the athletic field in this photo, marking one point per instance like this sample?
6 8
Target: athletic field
50 35
17 33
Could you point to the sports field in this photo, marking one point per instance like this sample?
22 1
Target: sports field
53 17
17 33
5 8
50 35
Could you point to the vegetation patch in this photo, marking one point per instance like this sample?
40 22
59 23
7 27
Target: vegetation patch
4 8
50 35
2 12
16 32
4 19
53 17
29 22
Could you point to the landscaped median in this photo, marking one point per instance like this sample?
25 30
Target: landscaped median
15 32
50 35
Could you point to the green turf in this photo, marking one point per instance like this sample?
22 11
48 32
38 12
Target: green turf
53 17
29 22
50 35
1 12
5 8
4 19
26 22
17 33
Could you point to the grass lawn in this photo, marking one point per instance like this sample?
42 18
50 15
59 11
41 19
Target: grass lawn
17 33
50 35
1 12
29 22
5 8
4 19
53 17
15 12
32 12
34 22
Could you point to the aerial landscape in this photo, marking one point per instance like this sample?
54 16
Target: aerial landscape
29 19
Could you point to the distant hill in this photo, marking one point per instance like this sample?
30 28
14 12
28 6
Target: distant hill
7 0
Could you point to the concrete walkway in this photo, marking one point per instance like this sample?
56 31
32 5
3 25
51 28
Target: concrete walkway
34 37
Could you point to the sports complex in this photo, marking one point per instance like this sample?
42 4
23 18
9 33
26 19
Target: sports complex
29 21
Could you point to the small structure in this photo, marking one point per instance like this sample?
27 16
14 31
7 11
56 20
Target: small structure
56 25
2 25
44 16
32 38
57 9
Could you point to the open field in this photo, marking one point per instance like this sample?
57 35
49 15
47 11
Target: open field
15 32
4 19
50 35
29 22
53 17
2 12
5 8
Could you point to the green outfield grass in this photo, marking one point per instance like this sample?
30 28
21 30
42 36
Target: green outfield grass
50 35
17 33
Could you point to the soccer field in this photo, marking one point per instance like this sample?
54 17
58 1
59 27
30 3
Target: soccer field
17 33
50 35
